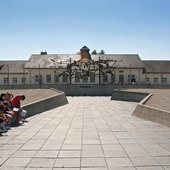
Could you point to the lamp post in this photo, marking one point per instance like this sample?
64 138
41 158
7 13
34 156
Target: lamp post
161 75
146 81
23 74
55 78
130 75
8 72
139 75
39 75
70 70
30 76
99 72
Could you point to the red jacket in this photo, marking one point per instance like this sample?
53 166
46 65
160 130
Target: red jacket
16 101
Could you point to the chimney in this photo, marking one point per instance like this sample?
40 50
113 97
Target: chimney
85 55
43 53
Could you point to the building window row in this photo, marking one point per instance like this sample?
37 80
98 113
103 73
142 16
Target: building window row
156 80
14 80
85 79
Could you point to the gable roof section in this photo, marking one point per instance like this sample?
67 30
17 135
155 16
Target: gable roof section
157 66
55 60
14 66
122 60
50 60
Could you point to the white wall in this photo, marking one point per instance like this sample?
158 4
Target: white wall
159 76
30 77
127 72
11 76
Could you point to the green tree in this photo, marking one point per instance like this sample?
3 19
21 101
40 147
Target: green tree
94 52
78 53
102 52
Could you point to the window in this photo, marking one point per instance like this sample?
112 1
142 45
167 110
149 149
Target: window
23 80
77 78
14 80
155 79
64 78
37 79
131 78
105 78
121 71
5 80
56 78
48 78
164 80
85 79
147 79
92 77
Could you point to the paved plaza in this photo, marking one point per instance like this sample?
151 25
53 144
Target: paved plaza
89 133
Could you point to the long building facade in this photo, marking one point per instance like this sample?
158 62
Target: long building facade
84 68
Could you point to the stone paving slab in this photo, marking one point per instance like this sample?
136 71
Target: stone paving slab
89 133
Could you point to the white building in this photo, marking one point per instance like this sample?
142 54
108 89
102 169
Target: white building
84 68
157 72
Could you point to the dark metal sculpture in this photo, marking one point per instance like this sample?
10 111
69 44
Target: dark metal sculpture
86 69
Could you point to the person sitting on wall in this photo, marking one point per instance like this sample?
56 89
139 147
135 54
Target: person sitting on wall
8 98
2 120
9 114
16 105
2 97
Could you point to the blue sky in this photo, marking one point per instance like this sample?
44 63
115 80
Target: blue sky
64 26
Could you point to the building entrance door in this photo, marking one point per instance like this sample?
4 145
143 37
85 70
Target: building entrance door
121 78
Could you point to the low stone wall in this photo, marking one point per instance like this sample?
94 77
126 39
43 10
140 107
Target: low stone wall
150 113
86 89
143 111
45 104
128 96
